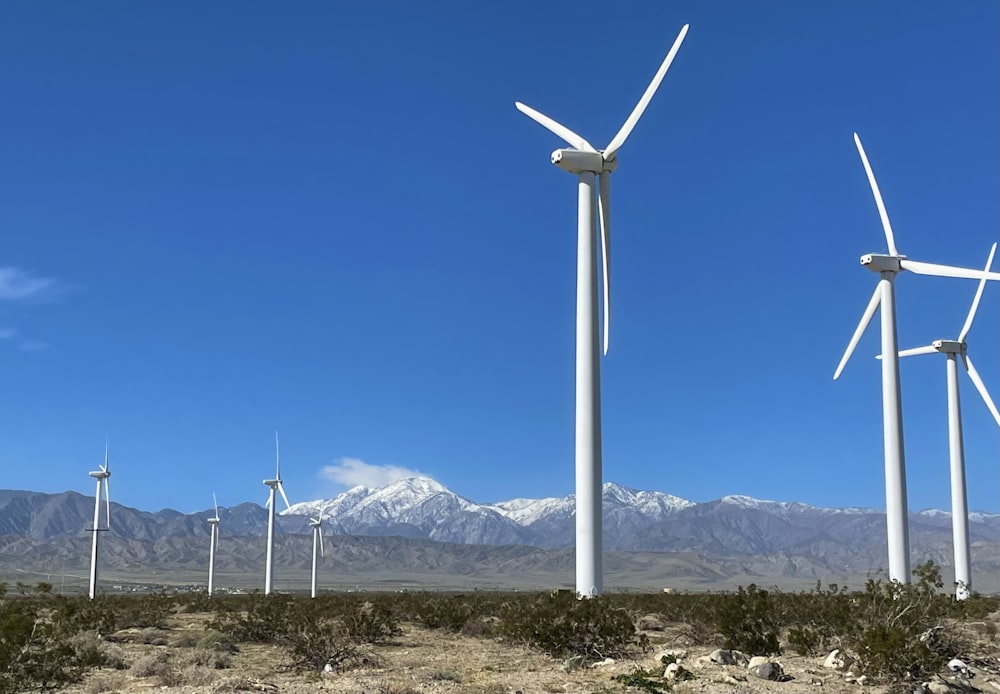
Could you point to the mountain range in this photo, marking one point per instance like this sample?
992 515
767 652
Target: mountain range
446 534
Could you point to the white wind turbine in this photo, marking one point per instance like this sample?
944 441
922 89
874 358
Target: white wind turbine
952 349
214 526
888 266
587 163
274 484
101 476
317 532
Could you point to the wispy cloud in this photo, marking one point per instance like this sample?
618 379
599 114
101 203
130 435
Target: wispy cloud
33 346
19 285
7 333
351 472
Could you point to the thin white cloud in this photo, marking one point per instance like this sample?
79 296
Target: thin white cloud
18 285
33 346
7 333
352 472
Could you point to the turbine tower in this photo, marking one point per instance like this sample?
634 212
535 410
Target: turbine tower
587 164
887 267
101 476
274 484
214 527
953 349
317 532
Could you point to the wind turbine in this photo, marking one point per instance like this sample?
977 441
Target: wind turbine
214 527
888 266
274 484
101 476
952 349
588 163
317 531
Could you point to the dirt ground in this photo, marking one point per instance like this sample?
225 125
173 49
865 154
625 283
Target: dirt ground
421 661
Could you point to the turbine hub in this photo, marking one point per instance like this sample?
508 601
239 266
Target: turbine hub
273 484
882 263
575 161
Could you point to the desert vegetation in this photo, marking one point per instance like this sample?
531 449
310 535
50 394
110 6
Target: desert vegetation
890 633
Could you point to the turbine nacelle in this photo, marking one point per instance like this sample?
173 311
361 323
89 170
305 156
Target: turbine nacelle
877 262
949 346
576 161
273 484
100 474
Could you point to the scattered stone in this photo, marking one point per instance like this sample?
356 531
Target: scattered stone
670 673
722 657
816 681
741 658
574 663
757 660
604 663
768 670
863 680
729 679
328 668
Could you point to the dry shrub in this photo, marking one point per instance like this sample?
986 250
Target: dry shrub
105 682
152 665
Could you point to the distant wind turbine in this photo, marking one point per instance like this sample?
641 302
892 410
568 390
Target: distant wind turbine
317 535
953 349
102 476
275 485
214 527
582 159
888 266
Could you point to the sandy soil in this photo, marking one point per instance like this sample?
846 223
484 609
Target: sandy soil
422 661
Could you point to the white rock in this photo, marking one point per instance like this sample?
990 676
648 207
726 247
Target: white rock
838 660
604 663
722 657
757 660
670 673
956 665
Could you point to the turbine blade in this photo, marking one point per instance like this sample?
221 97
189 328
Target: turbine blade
981 387
281 488
322 550
277 457
947 270
865 320
929 349
106 461
979 295
883 215
618 140
216 502
267 503
555 128
604 208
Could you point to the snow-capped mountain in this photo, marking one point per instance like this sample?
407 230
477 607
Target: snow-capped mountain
785 538
633 520
422 507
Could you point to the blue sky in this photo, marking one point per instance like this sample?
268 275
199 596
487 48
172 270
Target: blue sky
222 219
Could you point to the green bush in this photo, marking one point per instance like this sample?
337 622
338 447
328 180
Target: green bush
562 625
747 621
